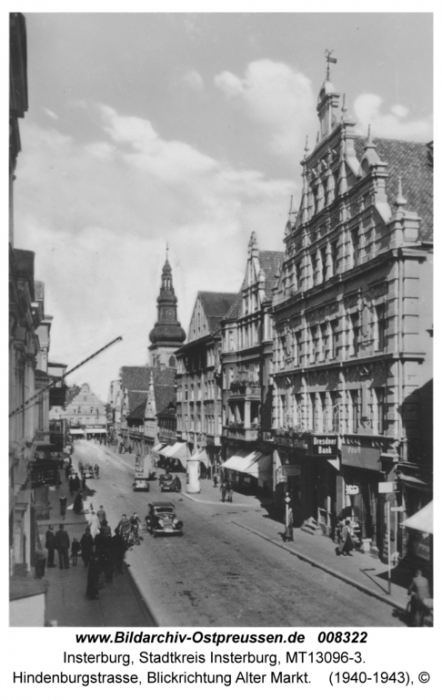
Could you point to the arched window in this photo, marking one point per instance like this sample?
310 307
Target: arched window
172 361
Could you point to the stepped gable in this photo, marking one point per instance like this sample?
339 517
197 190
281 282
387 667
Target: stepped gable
216 305
412 162
270 262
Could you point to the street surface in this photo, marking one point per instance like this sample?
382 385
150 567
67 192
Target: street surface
218 574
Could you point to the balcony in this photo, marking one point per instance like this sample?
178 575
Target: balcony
237 431
245 388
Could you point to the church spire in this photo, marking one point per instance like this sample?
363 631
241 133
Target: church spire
167 334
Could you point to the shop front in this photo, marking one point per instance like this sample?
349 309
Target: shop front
419 528
358 491
248 470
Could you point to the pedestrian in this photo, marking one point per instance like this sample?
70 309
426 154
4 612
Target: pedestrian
83 481
123 527
215 480
93 576
39 563
229 492
71 484
105 528
223 488
62 544
97 471
74 551
419 591
76 482
63 500
346 546
50 546
118 550
94 523
86 545
288 534
67 471
78 503
101 514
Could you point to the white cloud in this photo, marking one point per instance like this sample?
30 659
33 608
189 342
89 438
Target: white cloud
98 216
194 80
50 113
276 97
367 108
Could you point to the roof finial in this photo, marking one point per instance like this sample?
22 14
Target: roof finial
344 108
306 145
329 59
369 139
167 252
400 199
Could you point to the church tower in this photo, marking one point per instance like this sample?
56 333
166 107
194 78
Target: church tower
167 335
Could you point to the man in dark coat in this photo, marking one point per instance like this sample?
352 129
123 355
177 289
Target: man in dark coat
63 504
62 544
93 576
118 550
86 546
50 546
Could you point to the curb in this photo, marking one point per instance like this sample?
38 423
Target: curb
142 600
217 503
332 572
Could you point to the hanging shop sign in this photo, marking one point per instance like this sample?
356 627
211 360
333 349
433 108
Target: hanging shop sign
361 456
352 490
324 445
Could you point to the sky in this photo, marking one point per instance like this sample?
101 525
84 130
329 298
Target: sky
186 129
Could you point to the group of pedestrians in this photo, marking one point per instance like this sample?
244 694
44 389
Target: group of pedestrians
60 542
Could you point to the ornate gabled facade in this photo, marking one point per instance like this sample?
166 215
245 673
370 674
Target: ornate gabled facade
247 368
199 405
167 335
352 313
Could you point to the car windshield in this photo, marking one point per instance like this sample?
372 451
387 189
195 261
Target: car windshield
164 509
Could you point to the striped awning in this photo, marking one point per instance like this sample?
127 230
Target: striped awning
422 520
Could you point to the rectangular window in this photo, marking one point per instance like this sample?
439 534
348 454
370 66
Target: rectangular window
379 328
334 335
381 411
354 334
323 341
317 344
355 246
334 258
298 275
355 410
323 264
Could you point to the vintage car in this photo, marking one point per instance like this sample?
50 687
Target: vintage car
161 519
165 477
173 485
141 485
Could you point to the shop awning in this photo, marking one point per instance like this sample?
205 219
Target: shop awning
96 430
76 431
414 482
157 448
200 456
254 464
333 463
422 520
164 451
178 451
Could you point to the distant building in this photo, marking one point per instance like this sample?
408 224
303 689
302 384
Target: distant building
353 316
199 401
85 414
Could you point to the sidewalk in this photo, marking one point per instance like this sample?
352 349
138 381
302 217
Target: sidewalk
364 571
119 604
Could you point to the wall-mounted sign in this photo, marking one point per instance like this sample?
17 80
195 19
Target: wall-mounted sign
325 445
352 490
387 487
361 456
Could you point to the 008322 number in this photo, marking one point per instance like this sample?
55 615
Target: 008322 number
342 637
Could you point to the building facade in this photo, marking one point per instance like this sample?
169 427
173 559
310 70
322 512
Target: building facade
199 399
85 414
353 319
247 356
